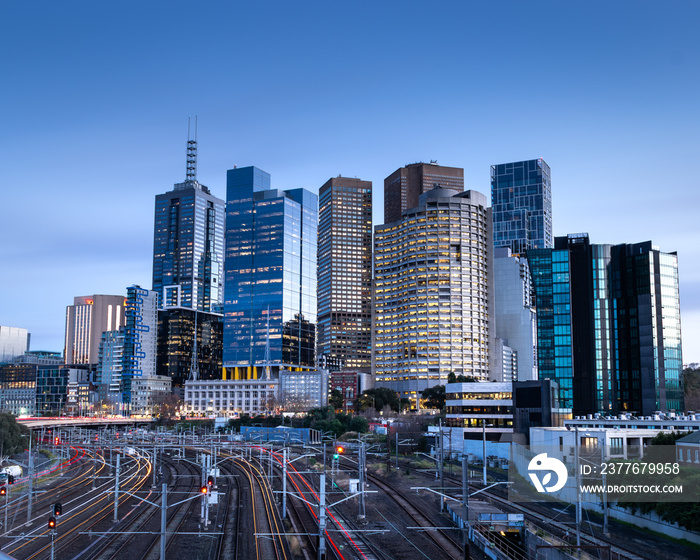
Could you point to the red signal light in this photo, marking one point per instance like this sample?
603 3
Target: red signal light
3 491
52 522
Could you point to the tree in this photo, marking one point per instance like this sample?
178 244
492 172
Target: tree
13 436
434 397
452 378
336 399
691 386
378 398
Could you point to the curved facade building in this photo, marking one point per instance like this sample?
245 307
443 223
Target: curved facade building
432 283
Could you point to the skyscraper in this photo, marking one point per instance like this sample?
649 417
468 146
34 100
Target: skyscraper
648 336
345 274
432 292
608 325
515 318
521 200
188 243
403 187
86 320
270 282
140 332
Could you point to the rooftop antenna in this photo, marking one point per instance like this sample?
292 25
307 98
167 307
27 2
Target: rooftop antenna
191 153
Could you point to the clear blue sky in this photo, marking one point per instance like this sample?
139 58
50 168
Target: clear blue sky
95 99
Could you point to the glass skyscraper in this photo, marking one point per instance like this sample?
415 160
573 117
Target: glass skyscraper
521 201
188 244
270 277
345 274
608 325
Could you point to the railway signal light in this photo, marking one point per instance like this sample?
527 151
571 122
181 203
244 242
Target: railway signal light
57 508
56 440
204 489
3 491
339 450
10 479
52 522
210 481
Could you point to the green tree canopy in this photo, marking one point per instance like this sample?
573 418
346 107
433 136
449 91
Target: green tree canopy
13 436
378 398
336 399
434 397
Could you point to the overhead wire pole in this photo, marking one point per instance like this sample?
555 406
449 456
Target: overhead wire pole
116 492
30 486
465 503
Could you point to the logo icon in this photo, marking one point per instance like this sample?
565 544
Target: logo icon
543 463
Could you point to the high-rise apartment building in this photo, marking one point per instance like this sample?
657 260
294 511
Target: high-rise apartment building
270 281
403 187
521 201
433 286
608 326
140 336
345 274
86 320
188 244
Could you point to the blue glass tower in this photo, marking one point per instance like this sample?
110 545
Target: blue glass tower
188 244
608 325
270 276
521 200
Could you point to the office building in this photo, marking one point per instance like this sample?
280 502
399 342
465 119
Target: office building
86 320
515 318
14 341
230 397
646 311
270 281
300 391
18 388
345 274
147 393
177 349
482 410
433 271
521 200
608 326
403 187
188 244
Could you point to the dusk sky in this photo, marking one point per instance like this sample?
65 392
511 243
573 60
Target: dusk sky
95 99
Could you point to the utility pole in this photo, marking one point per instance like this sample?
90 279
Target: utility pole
322 520
442 469
30 486
116 493
163 519
578 489
154 466
465 503
361 467
284 483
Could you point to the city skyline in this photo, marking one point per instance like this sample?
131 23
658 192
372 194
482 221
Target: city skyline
97 124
